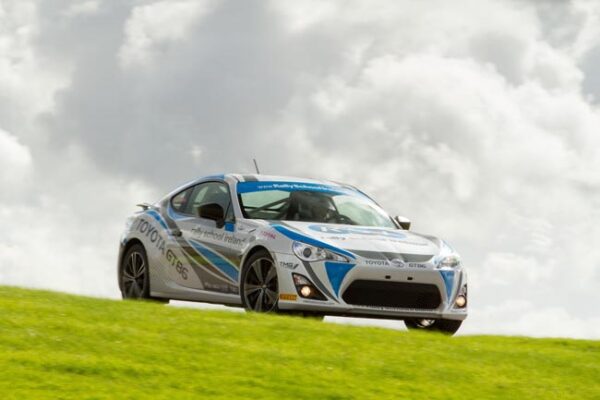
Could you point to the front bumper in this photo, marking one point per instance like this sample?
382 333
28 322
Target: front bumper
334 285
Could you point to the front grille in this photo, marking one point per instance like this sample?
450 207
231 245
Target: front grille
393 295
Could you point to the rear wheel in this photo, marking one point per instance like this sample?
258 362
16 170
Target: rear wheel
134 275
447 326
259 285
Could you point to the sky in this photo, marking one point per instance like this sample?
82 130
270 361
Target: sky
478 120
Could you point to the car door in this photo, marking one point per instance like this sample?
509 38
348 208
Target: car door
212 249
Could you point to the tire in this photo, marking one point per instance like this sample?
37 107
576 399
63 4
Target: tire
259 286
445 326
134 275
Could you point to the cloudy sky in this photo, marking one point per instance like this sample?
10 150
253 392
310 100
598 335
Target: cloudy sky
479 120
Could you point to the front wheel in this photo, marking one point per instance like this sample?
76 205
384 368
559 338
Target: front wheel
446 326
259 285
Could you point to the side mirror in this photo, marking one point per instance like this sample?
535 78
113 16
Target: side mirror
403 222
212 211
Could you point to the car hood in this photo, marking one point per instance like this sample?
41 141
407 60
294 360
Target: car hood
368 239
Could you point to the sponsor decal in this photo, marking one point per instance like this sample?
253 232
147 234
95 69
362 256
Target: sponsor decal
396 262
174 261
152 234
267 235
357 231
378 263
337 238
146 228
248 187
289 265
202 234
288 297
417 265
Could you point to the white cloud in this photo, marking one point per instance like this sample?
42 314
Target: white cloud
82 8
63 240
15 161
152 26
28 80
522 317
196 153
301 15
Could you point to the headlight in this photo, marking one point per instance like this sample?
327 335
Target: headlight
452 261
306 252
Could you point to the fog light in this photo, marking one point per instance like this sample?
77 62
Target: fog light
305 291
460 301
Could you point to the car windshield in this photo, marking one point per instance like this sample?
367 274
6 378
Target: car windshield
310 202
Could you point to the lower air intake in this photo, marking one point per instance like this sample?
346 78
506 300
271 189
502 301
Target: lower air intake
393 295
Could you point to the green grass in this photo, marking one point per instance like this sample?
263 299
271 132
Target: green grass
60 346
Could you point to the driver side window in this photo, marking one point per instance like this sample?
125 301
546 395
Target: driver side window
207 193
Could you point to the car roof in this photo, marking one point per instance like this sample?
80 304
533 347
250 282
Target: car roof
266 178
233 178
277 178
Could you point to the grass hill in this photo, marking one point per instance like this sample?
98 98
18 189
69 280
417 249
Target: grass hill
61 346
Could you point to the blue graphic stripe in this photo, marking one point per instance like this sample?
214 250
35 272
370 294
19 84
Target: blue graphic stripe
218 176
215 259
158 217
174 215
308 240
337 272
259 186
448 277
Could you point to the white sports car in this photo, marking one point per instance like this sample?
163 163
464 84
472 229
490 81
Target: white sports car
275 244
